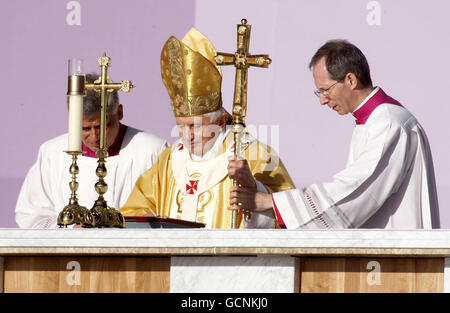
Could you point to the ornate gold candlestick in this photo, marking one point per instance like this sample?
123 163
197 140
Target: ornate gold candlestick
73 213
241 60
103 215
100 215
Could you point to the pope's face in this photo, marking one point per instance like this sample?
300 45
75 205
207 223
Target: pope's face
90 133
337 94
197 133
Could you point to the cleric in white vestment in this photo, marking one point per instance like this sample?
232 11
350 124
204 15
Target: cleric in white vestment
389 179
45 191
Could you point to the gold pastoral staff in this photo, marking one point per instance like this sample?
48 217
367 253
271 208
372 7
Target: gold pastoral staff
242 60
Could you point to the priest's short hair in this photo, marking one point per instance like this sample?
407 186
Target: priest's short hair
92 100
343 57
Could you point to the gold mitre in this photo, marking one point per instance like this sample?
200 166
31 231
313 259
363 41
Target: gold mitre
190 75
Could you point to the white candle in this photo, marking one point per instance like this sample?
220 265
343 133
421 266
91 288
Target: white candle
75 122
75 93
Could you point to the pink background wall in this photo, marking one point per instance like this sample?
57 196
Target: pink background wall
406 44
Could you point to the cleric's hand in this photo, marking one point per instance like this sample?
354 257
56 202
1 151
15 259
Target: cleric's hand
239 170
249 199
245 195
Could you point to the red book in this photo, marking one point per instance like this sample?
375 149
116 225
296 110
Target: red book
159 222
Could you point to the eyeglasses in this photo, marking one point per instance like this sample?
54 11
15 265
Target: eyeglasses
325 92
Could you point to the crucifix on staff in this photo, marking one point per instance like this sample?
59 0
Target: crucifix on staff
242 60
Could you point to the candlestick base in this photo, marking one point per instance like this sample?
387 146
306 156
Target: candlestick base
105 216
75 214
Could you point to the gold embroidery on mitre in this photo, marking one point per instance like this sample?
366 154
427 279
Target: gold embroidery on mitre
191 79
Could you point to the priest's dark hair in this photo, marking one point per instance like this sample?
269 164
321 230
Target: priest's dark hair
342 57
92 100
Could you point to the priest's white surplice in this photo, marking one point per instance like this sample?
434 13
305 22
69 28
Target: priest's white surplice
388 181
45 191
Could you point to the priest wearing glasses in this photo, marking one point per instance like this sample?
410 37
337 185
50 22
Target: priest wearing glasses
389 179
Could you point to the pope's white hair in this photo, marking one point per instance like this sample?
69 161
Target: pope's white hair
213 116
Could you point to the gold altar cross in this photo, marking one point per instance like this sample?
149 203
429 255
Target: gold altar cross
102 214
242 60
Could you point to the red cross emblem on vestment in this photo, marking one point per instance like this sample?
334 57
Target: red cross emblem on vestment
191 187
180 147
